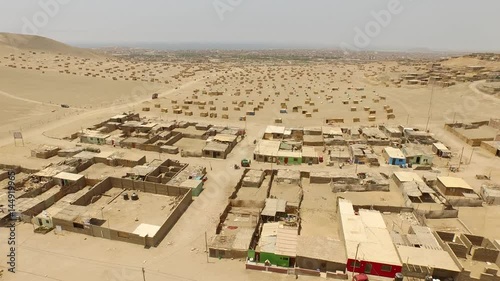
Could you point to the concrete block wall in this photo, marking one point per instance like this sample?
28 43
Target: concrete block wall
475 239
176 136
441 214
445 236
467 243
459 250
98 189
335 275
307 272
172 218
485 255
149 147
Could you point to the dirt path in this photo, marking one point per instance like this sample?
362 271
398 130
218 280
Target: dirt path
39 131
473 87
27 100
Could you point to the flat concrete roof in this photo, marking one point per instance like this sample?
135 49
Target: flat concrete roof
288 153
321 248
394 153
275 129
94 134
483 132
267 147
335 131
191 183
366 235
190 131
68 176
440 146
309 151
216 146
53 170
453 182
225 138
432 258
407 176
135 140
146 229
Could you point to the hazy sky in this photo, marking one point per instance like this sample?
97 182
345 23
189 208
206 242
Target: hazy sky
437 24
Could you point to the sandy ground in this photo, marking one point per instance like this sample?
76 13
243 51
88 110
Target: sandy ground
31 103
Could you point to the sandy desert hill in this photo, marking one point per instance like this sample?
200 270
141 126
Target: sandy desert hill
10 42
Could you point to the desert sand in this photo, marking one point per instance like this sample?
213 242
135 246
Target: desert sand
37 75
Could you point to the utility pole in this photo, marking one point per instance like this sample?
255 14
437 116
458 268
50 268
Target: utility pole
460 161
355 261
143 274
206 245
471 153
430 108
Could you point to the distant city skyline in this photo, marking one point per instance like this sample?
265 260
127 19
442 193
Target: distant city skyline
396 25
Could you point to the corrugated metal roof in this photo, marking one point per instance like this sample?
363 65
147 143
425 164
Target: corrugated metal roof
274 206
440 146
286 242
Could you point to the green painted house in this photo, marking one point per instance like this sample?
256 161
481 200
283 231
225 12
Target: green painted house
196 186
277 245
288 157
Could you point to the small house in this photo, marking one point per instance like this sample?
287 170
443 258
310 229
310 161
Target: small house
274 132
230 140
415 155
394 156
216 149
309 155
289 157
453 186
266 151
69 179
45 151
277 245
196 186
441 150
93 137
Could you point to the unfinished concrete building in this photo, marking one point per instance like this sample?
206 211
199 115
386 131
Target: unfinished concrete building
235 231
473 133
422 254
97 211
476 256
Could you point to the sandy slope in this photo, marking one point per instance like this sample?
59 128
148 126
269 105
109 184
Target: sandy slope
10 42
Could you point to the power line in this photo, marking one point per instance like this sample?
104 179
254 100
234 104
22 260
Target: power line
108 264
39 275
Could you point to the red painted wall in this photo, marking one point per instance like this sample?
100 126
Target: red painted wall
376 268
